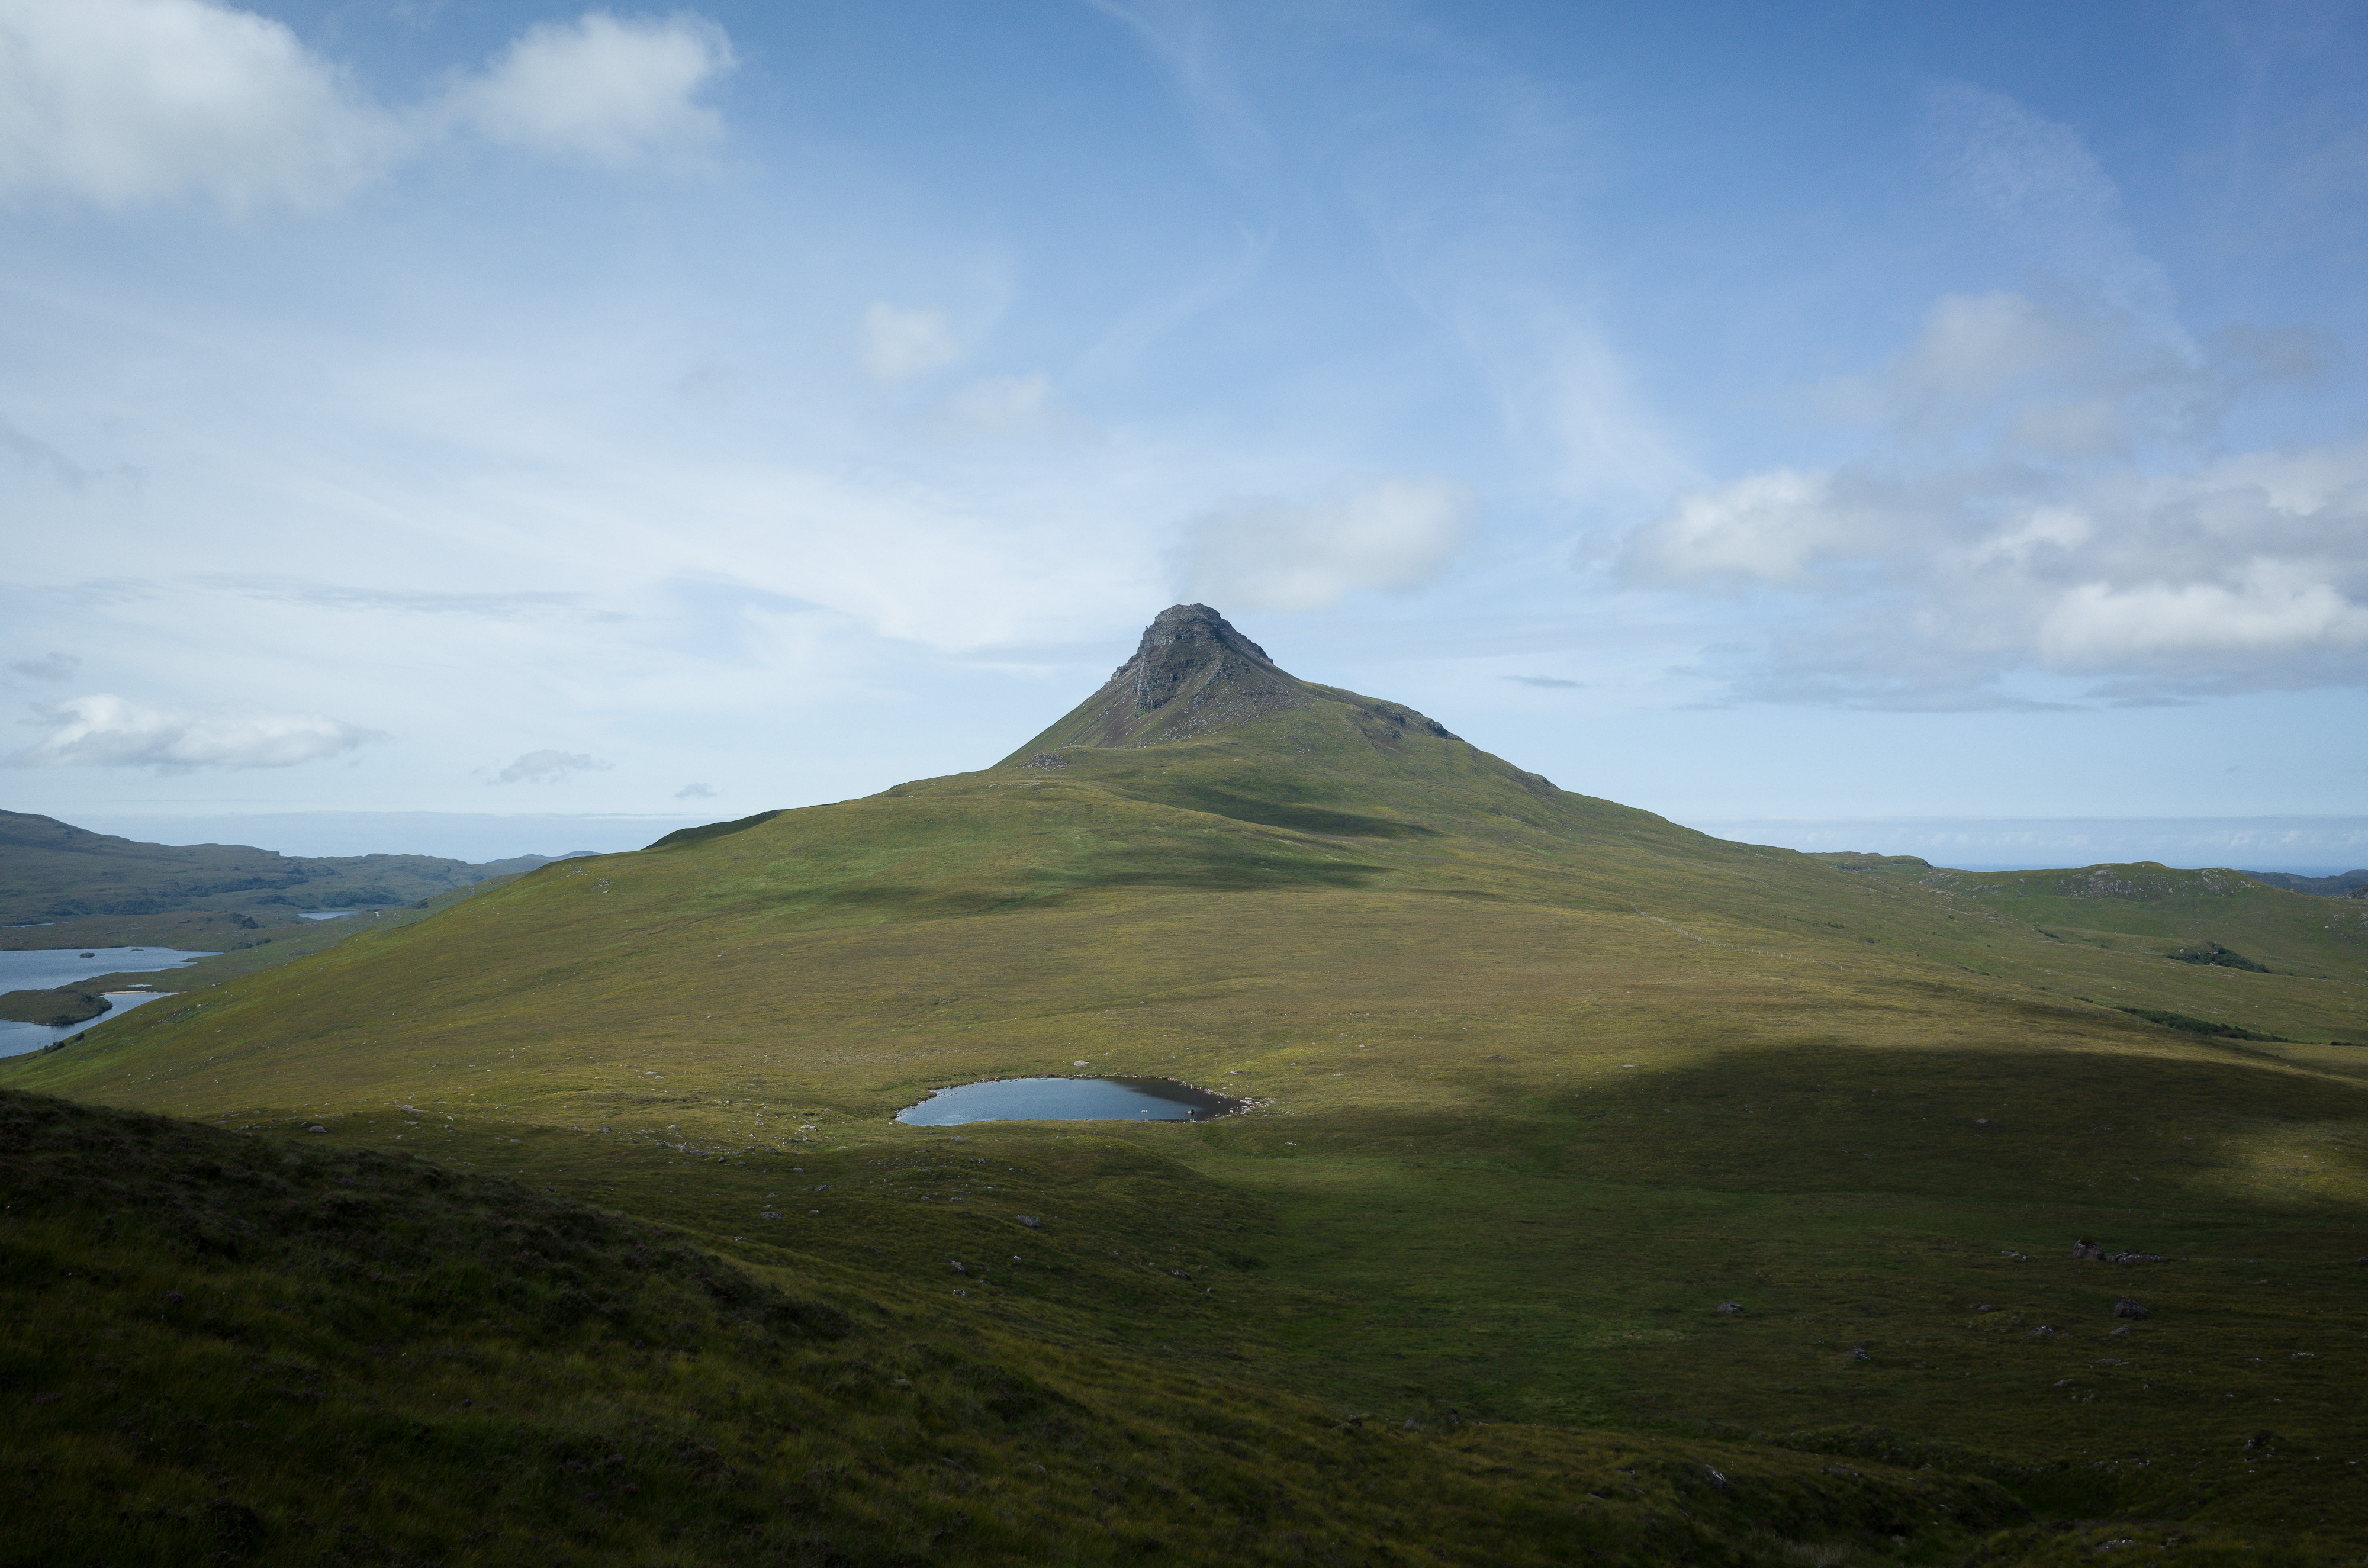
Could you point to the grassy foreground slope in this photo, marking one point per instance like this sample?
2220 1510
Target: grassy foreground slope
1542 1080
227 1348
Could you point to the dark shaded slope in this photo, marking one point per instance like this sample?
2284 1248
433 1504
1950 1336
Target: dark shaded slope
228 1347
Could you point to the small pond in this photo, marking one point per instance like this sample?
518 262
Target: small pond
1068 1099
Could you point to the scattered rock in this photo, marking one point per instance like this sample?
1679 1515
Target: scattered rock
1030 1221
2262 1445
2123 1329
1411 1424
2042 1331
956 1265
1984 1307
316 1127
2135 1258
2088 1250
1722 1483
1730 1308
1858 1353
2125 1307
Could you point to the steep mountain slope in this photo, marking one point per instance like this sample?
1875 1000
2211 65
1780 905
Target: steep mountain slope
1542 1080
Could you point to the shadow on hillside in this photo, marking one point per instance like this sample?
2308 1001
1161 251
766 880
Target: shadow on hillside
2008 1123
1183 869
1280 803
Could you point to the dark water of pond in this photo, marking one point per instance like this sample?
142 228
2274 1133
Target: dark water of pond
1068 1099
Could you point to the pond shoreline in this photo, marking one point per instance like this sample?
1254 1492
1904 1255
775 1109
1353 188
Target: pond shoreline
1070 1098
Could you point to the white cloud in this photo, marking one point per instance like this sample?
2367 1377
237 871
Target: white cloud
104 730
2042 494
695 792
2273 608
125 102
550 767
1398 534
1764 525
604 88
900 343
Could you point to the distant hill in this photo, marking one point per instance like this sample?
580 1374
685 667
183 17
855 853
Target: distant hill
52 871
2347 884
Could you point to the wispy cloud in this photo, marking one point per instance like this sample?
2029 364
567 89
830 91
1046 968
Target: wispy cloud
105 731
44 458
1554 681
1001 405
550 767
1398 534
695 792
2036 179
903 341
347 596
47 666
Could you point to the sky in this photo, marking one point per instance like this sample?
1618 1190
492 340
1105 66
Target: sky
512 427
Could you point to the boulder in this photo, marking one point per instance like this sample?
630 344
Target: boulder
2125 1307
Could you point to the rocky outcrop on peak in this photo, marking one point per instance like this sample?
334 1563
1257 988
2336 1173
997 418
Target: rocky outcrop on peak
1192 674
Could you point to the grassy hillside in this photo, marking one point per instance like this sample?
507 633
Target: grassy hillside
229 1348
1542 1082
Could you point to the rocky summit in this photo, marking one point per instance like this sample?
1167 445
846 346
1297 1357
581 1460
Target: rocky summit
1192 672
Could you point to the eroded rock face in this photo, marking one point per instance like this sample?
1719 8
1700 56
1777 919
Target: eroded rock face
1191 673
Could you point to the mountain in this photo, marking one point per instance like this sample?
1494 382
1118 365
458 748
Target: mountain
1564 1118
52 872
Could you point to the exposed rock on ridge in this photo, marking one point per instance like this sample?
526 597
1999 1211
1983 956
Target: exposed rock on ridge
1192 674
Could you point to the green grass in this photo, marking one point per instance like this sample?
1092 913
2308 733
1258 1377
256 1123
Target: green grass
1540 1082
236 1348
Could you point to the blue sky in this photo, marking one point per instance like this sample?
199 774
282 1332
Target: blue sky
1782 418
